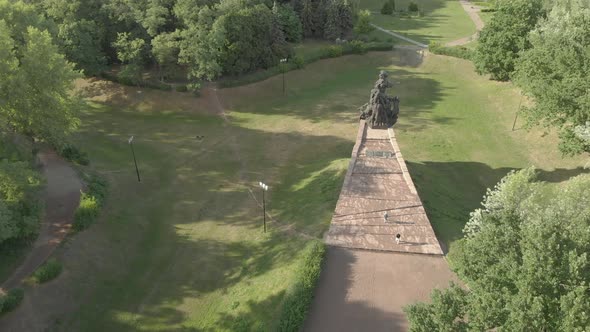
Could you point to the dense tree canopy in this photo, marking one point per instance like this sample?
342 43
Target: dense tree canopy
556 71
36 80
505 36
525 260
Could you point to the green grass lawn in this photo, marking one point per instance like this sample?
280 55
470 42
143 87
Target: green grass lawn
184 250
443 20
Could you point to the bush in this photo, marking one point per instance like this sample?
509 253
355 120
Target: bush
356 47
488 10
298 62
181 88
455 51
11 300
299 297
363 22
73 154
387 9
48 271
334 51
90 202
413 7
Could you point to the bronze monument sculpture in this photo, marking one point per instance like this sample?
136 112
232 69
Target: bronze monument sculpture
382 110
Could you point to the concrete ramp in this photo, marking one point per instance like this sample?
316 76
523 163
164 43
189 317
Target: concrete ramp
378 182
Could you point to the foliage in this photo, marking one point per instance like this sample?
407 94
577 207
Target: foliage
339 19
35 80
454 51
506 35
11 300
363 22
334 51
442 313
413 7
387 9
130 51
298 299
46 272
555 73
165 49
73 154
525 260
19 207
288 21
91 202
81 42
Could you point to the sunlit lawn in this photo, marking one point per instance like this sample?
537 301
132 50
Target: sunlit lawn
184 249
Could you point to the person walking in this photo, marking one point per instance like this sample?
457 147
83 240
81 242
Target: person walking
398 236
385 216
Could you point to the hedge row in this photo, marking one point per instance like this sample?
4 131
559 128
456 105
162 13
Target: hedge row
90 202
11 300
297 62
454 51
75 155
48 271
298 298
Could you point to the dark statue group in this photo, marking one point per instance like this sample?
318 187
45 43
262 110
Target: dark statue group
382 110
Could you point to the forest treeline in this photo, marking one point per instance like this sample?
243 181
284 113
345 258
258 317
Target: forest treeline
208 38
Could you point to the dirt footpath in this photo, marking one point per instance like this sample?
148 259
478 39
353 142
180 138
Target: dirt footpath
62 196
363 290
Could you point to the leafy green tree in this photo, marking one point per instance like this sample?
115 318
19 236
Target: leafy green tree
363 22
505 36
82 44
339 19
288 21
131 52
555 73
165 48
387 9
524 259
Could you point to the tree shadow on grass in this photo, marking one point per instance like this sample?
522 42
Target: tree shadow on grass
451 190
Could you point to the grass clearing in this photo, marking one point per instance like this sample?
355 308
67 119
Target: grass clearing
443 20
184 250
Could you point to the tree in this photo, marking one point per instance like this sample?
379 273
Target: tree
36 86
505 36
363 22
165 48
525 260
130 51
82 44
387 8
555 73
339 19
288 21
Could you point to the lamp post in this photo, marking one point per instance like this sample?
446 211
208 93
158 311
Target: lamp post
264 188
283 62
134 159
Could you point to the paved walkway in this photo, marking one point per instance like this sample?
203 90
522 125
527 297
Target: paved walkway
62 196
363 290
378 182
398 36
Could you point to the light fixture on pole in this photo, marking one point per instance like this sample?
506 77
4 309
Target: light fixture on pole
283 62
130 141
264 188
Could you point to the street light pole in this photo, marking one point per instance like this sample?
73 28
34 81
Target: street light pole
283 61
264 188
134 159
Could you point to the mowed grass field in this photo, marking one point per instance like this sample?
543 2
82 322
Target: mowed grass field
443 20
184 250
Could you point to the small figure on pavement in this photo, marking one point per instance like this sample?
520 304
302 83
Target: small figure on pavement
385 216
398 236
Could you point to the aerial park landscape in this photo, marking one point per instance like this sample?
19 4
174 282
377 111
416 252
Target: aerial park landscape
248 166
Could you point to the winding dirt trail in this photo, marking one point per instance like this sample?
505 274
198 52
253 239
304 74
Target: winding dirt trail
61 198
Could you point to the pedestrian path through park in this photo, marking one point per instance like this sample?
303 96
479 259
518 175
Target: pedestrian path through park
368 278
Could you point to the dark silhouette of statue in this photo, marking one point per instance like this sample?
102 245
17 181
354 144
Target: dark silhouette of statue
381 111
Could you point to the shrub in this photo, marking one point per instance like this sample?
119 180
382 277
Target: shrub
357 47
299 297
387 9
363 22
488 10
379 46
334 51
90 202
298 62
455 51
73 154
11 300
413 7
48 271
181 88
